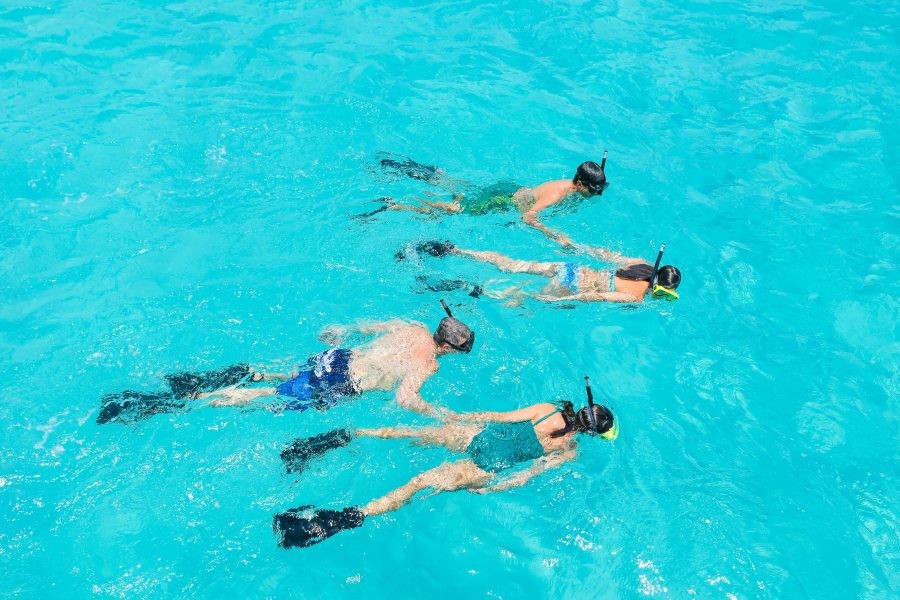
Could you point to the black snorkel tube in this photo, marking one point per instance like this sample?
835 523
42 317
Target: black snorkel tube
446 308
590 398
603 161
662 249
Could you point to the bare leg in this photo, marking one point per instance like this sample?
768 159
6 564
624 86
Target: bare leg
445 478
235 396
511 265
430 206
452 436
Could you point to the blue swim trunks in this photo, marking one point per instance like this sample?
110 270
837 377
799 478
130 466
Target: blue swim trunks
324 381
568 275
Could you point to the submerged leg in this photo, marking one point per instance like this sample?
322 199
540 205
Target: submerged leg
511 265
235 396
445 478
452 436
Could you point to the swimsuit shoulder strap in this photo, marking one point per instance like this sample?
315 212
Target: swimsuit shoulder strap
545 417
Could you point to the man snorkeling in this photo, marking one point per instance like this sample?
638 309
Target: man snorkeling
402 357
571 282
543 435
589 180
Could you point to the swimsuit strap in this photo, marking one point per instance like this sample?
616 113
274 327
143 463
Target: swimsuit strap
612 281
545 417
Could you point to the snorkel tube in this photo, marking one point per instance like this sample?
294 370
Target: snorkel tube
611 432
446 308
590 397
655 267
603 160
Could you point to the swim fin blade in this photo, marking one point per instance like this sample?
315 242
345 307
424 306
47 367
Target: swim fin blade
130 407
386 204
435 248
302 450
186 384
411 169
293 528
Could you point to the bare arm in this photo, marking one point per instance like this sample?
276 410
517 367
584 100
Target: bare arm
512 416
335 334
610 256
560 238
546 195
537 467
408 395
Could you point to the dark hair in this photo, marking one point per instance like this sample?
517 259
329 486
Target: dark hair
638 272
591 176
580 422
669 277
452 331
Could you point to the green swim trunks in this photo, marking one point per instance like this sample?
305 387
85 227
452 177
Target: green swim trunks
493 198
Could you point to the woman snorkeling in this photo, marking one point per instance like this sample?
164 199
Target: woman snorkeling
494 441
569 281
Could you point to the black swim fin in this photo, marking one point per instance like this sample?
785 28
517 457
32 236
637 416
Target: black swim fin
293 530
411 169
302 450
186 384
435 248
386 200
130 407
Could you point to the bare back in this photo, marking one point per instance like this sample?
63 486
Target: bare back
403 353
547 194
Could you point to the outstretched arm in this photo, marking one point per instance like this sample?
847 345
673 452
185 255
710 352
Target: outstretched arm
335 334
530 218
610 256
513 416
537 467
408 395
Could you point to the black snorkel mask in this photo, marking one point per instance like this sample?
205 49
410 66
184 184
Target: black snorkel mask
469 343
656 289
609 433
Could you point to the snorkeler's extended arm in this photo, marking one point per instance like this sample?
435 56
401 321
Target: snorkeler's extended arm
546 195
537 467
408 394
335 334
610 256
557 236
513 416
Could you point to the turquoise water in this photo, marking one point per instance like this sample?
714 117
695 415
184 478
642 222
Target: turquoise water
176 186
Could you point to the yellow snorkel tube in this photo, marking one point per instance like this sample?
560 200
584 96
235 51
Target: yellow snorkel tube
611 433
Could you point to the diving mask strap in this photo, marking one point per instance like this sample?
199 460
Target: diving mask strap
662 249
